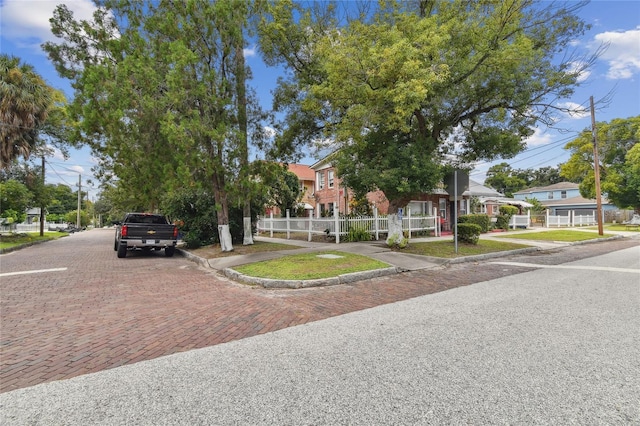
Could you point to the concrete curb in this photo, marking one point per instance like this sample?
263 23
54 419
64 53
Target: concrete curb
320 282
493 255
364 275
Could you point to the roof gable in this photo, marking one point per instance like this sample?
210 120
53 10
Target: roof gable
555 187
303 172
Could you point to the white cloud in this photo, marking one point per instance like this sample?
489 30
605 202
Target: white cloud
77 169
26 22
539 138
622 54
249 52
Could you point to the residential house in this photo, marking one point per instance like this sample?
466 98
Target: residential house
490 200
306 180
328 190
563 197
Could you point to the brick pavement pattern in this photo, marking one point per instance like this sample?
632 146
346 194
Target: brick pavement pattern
104 312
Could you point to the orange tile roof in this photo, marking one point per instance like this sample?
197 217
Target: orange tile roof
303 172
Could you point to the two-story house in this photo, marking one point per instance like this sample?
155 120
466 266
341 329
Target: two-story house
563 197
328 191
306 180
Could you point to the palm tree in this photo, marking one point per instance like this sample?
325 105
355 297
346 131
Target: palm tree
25 100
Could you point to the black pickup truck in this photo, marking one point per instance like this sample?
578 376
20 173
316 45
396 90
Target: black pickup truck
145 231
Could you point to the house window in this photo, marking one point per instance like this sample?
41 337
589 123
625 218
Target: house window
331 209
320 179
550 196
330 173
563 194
442 206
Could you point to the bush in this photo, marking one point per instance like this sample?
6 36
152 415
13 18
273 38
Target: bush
483 220
397 241
509 210
358 233
502 221
469 233
194 210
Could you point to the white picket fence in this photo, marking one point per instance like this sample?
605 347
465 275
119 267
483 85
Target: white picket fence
570 220
375 225
378 224
32 227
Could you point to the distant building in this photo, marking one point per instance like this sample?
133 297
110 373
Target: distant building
563 197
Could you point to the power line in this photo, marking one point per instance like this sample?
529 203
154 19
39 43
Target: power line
57 174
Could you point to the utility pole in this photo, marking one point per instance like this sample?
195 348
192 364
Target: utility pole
42 203
78 223
596 162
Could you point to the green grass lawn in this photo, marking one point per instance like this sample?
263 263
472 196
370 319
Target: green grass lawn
565 235
15 240
310 266
214 251
446 249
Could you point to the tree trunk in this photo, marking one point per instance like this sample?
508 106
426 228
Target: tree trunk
241 93
395 234
246 220
222 212
395 229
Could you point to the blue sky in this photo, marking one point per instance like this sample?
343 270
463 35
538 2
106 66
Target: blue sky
24 26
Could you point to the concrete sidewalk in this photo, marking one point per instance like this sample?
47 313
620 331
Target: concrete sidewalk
397 261
374 249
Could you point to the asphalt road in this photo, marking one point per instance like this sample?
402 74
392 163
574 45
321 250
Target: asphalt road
552 344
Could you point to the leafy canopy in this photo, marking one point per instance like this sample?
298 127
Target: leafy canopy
444 82
619 156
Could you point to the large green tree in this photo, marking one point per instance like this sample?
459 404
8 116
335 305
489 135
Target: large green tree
428 83
15 199
159 91
283 190
619 158
506 180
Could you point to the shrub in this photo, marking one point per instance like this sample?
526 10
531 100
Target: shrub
483 220
469 233
502 221
358 233
195 211
397 241
509 210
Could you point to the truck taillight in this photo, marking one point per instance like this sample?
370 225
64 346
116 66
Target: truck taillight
175 232
124 231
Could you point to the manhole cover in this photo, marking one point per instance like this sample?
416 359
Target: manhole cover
330 256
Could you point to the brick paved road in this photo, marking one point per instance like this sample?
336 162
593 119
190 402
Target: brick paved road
103 312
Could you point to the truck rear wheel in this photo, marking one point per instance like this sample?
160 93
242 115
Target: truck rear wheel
122 250
169 251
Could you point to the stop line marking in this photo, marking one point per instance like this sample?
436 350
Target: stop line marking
35 271
582 268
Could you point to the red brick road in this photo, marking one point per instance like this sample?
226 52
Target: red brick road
103 312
